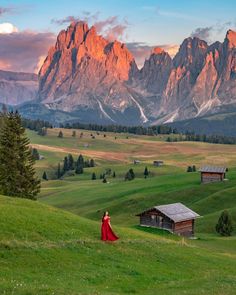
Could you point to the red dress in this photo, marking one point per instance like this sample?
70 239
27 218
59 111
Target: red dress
106 231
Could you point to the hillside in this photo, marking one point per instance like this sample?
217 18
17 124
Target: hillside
53 245
222 123
45 250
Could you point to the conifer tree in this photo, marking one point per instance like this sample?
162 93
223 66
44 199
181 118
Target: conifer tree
80 161
104 180
194 168
92 163
189 169
65 165
70 162
114 174
73 133
79 169
17 173
45 177
94 176
146 172
224 226
59 173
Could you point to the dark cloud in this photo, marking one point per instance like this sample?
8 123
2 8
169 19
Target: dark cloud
24 51
203 33
211 33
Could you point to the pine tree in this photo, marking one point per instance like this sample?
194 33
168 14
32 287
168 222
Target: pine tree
70 162
17 173
131 171
104 180
59 173
92 163
60 134
45 177
73 133
65 165
189 169
80 161
146 172
79 169
114 174
224 226
94 176
194 168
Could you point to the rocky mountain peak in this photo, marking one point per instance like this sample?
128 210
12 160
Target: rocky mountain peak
157 50
231 38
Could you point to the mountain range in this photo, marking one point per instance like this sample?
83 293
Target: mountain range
90 79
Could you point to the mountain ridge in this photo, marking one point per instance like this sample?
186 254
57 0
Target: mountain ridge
97 79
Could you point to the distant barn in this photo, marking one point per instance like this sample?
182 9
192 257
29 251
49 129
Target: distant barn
176 218
212 174
158 163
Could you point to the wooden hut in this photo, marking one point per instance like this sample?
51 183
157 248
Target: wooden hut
158 163
176 218
212 174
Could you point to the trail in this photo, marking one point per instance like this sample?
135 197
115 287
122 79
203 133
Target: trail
113 156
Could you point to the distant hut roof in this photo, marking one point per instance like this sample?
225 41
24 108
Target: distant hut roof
213 169
176 212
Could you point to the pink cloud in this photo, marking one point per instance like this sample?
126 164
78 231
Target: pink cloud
23 51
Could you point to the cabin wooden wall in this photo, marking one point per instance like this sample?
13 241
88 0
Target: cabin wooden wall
207 177
184 228
155 219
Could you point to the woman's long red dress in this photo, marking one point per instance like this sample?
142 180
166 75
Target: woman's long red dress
107 233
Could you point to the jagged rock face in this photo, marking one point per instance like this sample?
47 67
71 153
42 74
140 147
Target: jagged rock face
85 72
16 88
84 69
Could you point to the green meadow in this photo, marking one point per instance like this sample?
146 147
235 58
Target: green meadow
52 246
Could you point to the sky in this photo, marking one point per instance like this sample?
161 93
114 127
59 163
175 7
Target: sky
29 28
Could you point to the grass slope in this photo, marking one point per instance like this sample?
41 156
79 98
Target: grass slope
44 250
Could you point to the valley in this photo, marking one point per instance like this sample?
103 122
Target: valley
53 245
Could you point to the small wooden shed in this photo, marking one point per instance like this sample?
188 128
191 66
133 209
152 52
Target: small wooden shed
158 163
212 174
176 218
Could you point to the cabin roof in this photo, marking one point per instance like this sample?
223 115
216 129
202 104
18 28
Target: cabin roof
213 169
176 212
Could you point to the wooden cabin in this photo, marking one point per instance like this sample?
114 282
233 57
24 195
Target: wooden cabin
176 218
158 163
212 174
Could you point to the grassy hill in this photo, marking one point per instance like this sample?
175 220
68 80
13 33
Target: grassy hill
44 250
53 246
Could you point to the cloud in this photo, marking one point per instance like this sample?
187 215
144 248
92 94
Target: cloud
111 28
24 51
7 28
203 33
142 51
6 10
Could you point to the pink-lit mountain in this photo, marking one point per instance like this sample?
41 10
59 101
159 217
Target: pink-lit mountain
98 80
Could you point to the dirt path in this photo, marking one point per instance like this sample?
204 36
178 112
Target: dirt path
113 156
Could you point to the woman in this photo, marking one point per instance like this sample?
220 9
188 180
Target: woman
106 231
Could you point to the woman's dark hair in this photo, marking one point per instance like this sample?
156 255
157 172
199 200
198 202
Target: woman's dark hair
104 214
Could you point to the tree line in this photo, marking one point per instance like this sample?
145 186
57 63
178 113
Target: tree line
191 136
